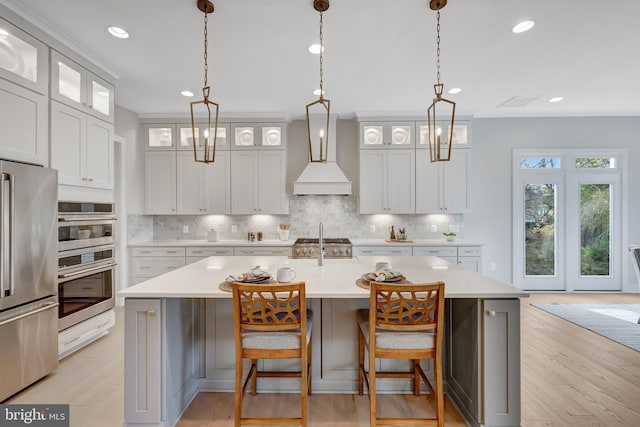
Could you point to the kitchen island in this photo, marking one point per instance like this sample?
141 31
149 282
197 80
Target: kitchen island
179 336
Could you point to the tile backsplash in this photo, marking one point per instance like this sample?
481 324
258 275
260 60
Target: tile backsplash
339 215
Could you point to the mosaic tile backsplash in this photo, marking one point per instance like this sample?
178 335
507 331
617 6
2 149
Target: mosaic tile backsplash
339 215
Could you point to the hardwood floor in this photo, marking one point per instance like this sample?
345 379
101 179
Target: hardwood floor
570 377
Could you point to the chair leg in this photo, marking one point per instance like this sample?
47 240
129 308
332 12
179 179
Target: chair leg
309 378
416 377
254 377
303 390
360 362
372 389
237 412
439 390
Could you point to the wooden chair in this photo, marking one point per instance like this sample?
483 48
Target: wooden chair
408 324
270 324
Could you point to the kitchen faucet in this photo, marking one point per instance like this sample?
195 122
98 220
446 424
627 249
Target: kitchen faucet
320 247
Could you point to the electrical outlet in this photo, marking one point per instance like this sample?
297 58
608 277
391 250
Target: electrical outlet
372 228
234 228
434 228
492 266
185 229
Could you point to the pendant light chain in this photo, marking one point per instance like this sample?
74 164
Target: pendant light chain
206 46
321 59
438 46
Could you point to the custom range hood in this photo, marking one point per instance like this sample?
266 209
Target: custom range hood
324 178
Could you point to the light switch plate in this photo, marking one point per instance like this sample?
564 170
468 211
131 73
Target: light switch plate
234 228
185 229
434 228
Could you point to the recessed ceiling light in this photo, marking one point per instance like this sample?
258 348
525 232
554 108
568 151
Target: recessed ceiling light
118 32
315 49
523 26
455 90
187 93
316 92
556 99
3 32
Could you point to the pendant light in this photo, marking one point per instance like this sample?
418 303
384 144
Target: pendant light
441 108
204 146
318 111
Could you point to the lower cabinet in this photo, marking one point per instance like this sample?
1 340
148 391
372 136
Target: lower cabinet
469 257
381 251
149 262
195 254
266 250
23 127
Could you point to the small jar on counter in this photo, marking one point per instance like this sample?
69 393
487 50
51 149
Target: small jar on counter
259 236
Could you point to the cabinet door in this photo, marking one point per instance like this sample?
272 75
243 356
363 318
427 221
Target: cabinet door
216 186
100 98
244 182
160 182
68 133
272 195
400 135
159 136
189 184
23 124
24 59
271 135
99 154
185 136
372 135
401 181
455 177
373 181
428 183
68 82
472 263
244 135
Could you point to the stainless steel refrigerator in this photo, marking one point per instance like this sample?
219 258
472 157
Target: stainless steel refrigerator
28 268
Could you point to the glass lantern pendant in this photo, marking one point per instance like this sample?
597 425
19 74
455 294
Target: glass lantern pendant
204 146
318 112
441 109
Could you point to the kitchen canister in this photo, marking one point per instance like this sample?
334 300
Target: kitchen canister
212 235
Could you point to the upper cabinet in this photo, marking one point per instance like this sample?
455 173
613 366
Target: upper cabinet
376 135
23 59
203 188
258 135
77 87
258 182
185 135
160 136
442 187
461 133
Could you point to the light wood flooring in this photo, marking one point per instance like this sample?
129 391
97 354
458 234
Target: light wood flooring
570 377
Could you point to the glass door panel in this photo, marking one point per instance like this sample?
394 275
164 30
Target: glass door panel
100 97
540 229
17 56
595 229
69 83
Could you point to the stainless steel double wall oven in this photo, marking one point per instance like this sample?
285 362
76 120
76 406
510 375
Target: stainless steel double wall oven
86 260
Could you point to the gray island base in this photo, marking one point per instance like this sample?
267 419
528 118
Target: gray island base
179 336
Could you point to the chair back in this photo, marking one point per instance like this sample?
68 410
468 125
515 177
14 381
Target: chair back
274 307
407 307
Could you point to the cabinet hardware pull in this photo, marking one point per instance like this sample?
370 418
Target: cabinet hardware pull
491 313
151 313
195 252
145 267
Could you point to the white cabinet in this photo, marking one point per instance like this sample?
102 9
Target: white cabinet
387 181
442 187
468 257
447 253
461 133
160 136
197 253
24 60
258 182
262 250
253 135
149 262
203 188
81 148
160 182
185 136
381 251
79 88
375 135
24 116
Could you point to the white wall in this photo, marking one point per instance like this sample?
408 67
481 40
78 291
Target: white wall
127 125
490 220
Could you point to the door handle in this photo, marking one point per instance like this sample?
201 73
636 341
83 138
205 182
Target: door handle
30 313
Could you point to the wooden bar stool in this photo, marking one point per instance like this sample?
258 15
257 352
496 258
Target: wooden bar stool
271 322
408 322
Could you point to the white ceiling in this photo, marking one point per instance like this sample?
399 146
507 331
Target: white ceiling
379 55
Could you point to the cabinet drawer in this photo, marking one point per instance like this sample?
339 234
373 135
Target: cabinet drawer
152 267
158 251
275 251
469 251
381 251
210 251
436 251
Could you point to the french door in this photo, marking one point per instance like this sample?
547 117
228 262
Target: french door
567 220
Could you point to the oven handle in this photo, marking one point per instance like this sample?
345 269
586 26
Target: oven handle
88 218
88 270
30 313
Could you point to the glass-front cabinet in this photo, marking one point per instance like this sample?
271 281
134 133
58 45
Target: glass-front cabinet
77 87
160 136
461 133
186 136
23 59
257 135
387 135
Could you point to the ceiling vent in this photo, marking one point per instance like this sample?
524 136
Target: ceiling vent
518 101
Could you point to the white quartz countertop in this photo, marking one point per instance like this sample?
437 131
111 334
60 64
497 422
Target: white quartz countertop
336 279
185 243
414 242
